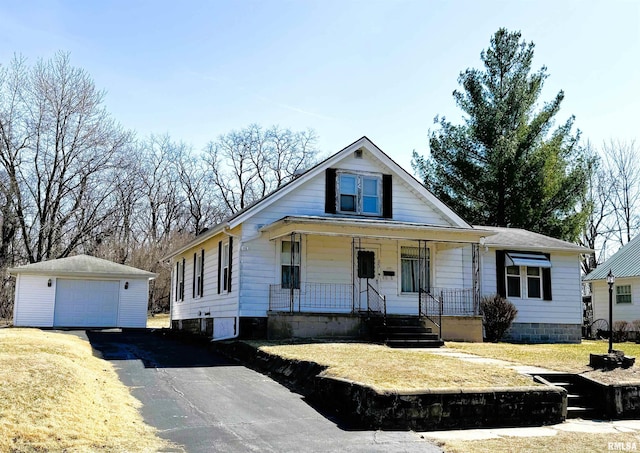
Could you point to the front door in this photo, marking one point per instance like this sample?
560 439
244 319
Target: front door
366 274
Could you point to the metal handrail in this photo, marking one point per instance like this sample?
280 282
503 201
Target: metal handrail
381 304
435 316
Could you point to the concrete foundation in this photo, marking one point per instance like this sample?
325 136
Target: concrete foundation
461 328
313 325
526 332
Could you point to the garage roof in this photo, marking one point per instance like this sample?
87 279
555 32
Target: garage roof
82 266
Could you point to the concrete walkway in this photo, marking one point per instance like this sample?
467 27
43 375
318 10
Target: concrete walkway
522 369
571 425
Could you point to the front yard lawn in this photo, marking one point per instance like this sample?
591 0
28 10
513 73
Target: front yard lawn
397 369
573 358
56 396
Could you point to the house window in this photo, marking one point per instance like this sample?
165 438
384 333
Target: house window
534 283
359 194
410 268
290 264
180 280
225 267
513 281
623 294
198 274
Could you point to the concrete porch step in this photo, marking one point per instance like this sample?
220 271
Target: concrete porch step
414 343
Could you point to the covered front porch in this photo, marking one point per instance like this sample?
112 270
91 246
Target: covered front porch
375 268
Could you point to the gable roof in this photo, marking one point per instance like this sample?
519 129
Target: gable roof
624 263
524 239
363 142
82 266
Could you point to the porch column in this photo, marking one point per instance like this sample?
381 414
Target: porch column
475 276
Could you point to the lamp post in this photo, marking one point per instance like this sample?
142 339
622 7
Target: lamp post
610 280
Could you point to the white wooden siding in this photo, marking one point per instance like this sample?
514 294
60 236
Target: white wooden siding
621 312
210 304
566 304
34 301
259 260
453 266
134 301
327 259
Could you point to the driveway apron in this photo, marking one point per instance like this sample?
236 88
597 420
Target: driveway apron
204 403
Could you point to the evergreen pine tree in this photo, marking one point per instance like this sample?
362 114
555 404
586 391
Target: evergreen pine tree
507 165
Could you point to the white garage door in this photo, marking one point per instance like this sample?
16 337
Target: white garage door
86 303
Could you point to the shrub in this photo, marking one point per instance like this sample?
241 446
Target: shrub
620 331
498 314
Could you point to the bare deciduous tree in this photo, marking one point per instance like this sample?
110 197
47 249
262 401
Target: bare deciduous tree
622 161
246 165
56 154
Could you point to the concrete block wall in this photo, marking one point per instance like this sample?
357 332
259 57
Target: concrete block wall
533 332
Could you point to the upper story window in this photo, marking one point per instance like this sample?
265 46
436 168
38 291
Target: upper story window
350 192
359 194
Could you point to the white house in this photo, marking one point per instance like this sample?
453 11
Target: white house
80 291
625 266
356 236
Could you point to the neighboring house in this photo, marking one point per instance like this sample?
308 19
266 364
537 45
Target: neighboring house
80 291
625 266
357 236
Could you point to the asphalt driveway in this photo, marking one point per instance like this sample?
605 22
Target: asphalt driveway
205 403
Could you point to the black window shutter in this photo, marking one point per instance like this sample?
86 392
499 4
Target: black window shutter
182 286
230 261
387 197
330 191
219 265
202 274
546 281
177 295
194 275
500 274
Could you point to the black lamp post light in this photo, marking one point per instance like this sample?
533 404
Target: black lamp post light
611 279
612 359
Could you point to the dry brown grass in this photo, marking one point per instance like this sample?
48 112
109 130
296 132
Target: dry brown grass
563 442
56 396
159 321
398 369
560 357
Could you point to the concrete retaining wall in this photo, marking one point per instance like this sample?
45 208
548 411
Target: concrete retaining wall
527 332
365 407
614 401
313 325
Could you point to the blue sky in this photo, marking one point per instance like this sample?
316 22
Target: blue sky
385 69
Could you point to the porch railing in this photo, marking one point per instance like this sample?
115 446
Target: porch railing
456 301
376 303
430 307
312 297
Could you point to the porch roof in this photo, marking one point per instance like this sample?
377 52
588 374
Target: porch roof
372 228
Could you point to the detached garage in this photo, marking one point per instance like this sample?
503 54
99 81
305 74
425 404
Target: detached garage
80 291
